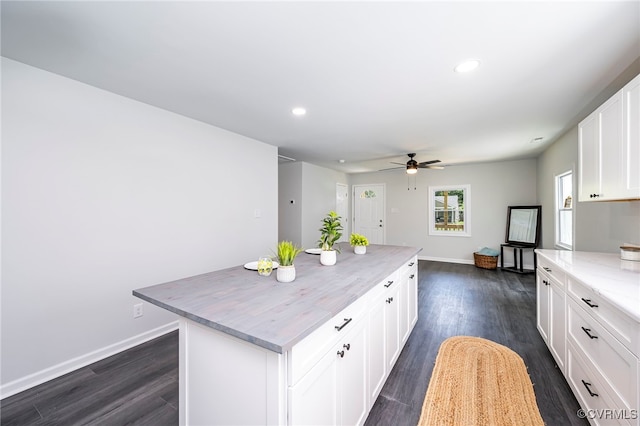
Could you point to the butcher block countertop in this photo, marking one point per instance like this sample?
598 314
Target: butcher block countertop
275 315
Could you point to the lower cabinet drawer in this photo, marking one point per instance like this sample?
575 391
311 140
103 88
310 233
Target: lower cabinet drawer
617 323
592 393
305 354
609 358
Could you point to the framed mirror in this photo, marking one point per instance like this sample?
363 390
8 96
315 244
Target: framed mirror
523 225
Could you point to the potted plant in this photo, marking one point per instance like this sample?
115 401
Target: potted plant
287 252
330 233
359 243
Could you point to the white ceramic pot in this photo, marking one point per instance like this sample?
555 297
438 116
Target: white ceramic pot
359 249
328 257
286 274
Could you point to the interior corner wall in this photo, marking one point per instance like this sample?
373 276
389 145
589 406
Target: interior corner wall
494 187
290 202
313 188
319 193
598 226
102 195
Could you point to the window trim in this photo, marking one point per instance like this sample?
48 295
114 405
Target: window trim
467 211
559 207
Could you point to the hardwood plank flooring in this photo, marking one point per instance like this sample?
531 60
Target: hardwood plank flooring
140 386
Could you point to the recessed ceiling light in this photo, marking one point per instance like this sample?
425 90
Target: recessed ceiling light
299 111
467 66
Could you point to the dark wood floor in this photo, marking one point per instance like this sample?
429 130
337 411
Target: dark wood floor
140 386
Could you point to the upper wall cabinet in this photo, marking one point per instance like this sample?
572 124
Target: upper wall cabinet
609 148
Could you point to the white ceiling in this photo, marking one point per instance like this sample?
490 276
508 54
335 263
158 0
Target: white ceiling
376 77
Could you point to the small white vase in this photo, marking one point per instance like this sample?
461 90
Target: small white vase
359 249
286 274
328 257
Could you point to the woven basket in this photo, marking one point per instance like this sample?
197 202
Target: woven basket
485 262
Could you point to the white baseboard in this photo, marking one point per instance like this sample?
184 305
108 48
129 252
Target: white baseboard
447 260
24 383
467 261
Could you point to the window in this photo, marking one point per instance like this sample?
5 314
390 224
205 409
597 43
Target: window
449 211
564 210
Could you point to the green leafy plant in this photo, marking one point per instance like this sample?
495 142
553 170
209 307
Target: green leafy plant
330 232
358 240
287 252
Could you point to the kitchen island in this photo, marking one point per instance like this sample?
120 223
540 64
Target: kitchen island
256 351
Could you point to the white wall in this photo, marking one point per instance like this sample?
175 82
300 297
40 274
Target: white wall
319 193
494 186
102 195
314 190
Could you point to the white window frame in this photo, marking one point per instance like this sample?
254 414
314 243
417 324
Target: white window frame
466 232
560 207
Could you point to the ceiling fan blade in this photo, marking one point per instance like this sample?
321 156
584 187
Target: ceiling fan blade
392 168
424 163
399 164
426 166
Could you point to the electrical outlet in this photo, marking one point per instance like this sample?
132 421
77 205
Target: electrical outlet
137 310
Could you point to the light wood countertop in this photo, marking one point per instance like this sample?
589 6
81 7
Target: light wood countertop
274 315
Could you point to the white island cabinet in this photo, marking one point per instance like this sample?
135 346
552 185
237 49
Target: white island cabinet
314 351
594 300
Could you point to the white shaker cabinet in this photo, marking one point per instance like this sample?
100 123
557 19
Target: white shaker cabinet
392 316
609 148
594 333
631 143
410 280
550 310
334 390
392 313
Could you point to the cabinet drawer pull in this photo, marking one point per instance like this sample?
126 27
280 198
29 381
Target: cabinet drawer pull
545 282
412 276
341 354
546 269
388 284
347 346
586 385
588 302
411 264
587 330
346 321
389 300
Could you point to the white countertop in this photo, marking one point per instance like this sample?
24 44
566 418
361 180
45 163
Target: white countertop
614 279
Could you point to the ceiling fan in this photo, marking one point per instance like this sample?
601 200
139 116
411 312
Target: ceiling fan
412 165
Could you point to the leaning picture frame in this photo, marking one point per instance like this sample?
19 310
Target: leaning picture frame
523 225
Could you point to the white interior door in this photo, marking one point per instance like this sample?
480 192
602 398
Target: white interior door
342 208
368 212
